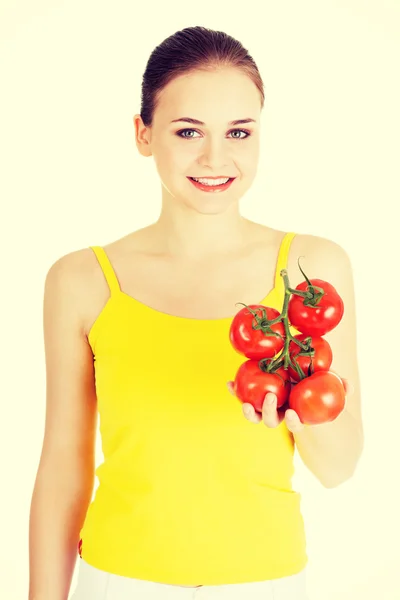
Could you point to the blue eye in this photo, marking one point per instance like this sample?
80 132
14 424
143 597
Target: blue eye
179 133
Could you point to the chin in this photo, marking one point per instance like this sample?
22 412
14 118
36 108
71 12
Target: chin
209 204
210 208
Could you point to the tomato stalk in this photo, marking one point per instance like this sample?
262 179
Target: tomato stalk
284 359
262 322
313 294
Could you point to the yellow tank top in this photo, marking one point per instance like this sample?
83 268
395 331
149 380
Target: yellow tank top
190 492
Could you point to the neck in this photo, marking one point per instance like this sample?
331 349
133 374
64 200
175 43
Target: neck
189 234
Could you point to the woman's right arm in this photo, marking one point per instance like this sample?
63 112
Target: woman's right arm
65 476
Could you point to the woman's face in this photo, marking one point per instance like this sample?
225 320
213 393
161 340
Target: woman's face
217 148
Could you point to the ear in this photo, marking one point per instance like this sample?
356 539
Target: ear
142 136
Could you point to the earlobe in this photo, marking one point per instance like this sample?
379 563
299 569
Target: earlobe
143 148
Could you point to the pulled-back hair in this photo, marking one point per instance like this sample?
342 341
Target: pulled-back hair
192 49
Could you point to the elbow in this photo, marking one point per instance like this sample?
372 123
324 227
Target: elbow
330 484
337 479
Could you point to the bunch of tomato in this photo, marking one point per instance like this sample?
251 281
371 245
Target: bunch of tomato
294 367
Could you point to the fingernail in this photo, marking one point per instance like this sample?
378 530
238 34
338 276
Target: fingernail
270 398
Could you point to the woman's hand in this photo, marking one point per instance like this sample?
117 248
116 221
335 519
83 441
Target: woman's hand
271 416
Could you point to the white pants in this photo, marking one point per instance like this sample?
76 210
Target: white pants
94 584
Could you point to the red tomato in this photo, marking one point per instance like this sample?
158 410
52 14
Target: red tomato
252 384
319 319
319 398
321 361
254 343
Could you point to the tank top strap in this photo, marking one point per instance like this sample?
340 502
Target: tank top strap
282 261
107 269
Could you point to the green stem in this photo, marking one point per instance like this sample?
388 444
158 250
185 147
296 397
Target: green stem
262 322
284 358
300 293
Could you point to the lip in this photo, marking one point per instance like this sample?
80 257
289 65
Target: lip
212 189
206 177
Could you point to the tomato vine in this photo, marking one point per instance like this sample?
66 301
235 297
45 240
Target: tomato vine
311 296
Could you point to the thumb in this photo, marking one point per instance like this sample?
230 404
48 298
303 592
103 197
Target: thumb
230 385
348 388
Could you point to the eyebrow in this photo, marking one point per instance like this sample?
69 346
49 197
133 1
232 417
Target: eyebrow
197 122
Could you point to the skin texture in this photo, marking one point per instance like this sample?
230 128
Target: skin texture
214 257
198 224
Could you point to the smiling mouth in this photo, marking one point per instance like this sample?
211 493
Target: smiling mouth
225 183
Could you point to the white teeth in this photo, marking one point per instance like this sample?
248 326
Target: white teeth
212 182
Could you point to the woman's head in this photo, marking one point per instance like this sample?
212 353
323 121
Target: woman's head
206 75
193 49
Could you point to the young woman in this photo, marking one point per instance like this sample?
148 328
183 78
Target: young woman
195 496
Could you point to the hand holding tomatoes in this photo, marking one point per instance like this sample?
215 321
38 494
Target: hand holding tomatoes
272 415
252 383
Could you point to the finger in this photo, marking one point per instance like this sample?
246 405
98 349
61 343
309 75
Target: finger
230 385
270 414
293 422
348 388
248 410
250 413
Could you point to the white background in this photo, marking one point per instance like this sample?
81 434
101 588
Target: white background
70 75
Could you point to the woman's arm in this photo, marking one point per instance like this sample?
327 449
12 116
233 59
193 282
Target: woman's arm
65 477
331 451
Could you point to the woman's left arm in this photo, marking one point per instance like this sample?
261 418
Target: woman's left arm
331 451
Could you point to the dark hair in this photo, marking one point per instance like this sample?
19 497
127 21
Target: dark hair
188 50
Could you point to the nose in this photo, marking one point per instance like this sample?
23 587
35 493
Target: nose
214 155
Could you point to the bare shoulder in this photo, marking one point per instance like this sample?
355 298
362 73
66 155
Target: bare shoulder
76 280
72 268
316 244
319 257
